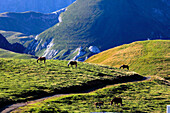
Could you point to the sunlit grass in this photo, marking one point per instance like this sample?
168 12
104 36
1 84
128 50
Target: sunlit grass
145 97
21 80
144 57
10 54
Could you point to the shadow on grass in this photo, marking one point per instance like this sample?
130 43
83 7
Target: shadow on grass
84 88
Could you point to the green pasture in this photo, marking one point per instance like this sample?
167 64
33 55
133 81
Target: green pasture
151 57
140 97
9 54
25 79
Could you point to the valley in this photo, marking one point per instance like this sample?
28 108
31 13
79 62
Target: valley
101 36
68 33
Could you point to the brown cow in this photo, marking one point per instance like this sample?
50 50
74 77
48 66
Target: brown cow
41 59
116 100
98 104
72 63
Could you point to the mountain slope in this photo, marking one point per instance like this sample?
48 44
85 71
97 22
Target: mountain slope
9 54
43 6
30 23
4 43
16 47
23 80
106 24
18 37
145 57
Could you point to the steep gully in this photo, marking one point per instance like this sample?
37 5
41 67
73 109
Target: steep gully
13 107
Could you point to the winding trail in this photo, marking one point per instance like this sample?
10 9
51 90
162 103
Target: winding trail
13 107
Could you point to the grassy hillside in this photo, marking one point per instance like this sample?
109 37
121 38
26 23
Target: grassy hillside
21 79
14 37
140 97
9 54
145 57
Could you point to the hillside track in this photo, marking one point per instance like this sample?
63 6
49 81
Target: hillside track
14 107
167 82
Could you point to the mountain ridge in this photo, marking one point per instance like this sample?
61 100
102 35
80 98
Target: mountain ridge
90 23
30 23
43 6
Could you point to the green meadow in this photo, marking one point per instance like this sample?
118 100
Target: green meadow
149 96
151 57
25 79
9 54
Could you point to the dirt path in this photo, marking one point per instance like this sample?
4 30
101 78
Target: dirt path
13 107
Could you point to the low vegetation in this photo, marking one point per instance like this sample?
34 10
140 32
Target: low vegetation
22 80
150 57
14 37
140 97
9 54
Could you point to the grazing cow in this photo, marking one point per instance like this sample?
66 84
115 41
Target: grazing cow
124 66
41 59
116 100
98 104
72 63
